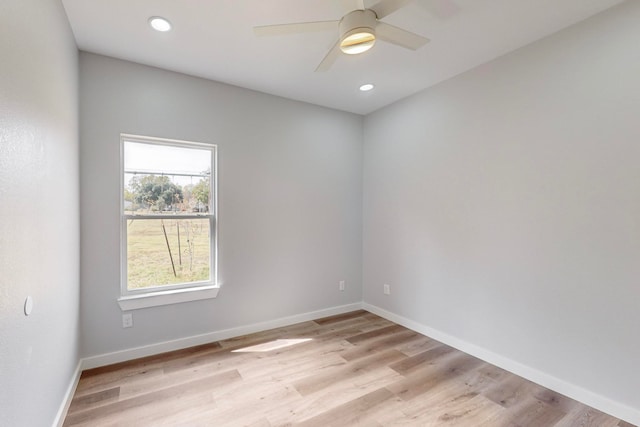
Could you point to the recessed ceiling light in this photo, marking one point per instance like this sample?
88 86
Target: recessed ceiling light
159 24
366 87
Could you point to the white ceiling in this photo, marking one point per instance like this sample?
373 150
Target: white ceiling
214 39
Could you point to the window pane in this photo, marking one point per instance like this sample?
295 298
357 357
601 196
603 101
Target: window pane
167 158
162 178
167 251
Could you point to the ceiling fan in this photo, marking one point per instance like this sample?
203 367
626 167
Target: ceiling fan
358 30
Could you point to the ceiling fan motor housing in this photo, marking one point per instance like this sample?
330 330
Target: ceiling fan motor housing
357 28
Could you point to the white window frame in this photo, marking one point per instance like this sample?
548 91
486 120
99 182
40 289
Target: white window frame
182 292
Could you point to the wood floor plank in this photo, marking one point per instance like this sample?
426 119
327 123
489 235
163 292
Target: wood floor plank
428 357
137 388
256 404
512 391
340 317
107 381
94 400
536 413
353 369
135 365
152 398
555 399
478 380
333 396
582 416
348 413
347 371
376 333
375 346
470 410
422 380
418 345
446 401
316 359
294 330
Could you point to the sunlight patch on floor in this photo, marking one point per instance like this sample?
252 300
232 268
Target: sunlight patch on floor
272 345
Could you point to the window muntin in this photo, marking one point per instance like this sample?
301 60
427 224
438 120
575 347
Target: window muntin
168 215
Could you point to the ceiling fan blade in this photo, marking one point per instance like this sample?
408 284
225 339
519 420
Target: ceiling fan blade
298 27
330 58
400 37
387 7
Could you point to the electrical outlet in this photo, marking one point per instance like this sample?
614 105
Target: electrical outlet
386 289
127 320
342 285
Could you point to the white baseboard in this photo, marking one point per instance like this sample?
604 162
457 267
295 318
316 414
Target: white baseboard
68 396
573 391
150 350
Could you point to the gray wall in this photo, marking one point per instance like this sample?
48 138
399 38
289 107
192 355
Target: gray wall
39 231
503 206
290 190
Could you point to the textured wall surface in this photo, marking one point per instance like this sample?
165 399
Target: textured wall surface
39 224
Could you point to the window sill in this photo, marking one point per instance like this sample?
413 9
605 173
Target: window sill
174 296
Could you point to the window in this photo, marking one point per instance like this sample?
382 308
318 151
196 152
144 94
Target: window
168 216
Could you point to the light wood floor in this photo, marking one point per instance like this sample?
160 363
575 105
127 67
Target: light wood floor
357 370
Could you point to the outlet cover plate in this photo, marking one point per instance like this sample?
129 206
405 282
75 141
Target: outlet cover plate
127 320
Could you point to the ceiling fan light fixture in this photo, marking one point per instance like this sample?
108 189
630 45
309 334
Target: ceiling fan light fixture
357 32
357 41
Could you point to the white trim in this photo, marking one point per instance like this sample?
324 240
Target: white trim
168 216
573 391
172 296
68 397
152 349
